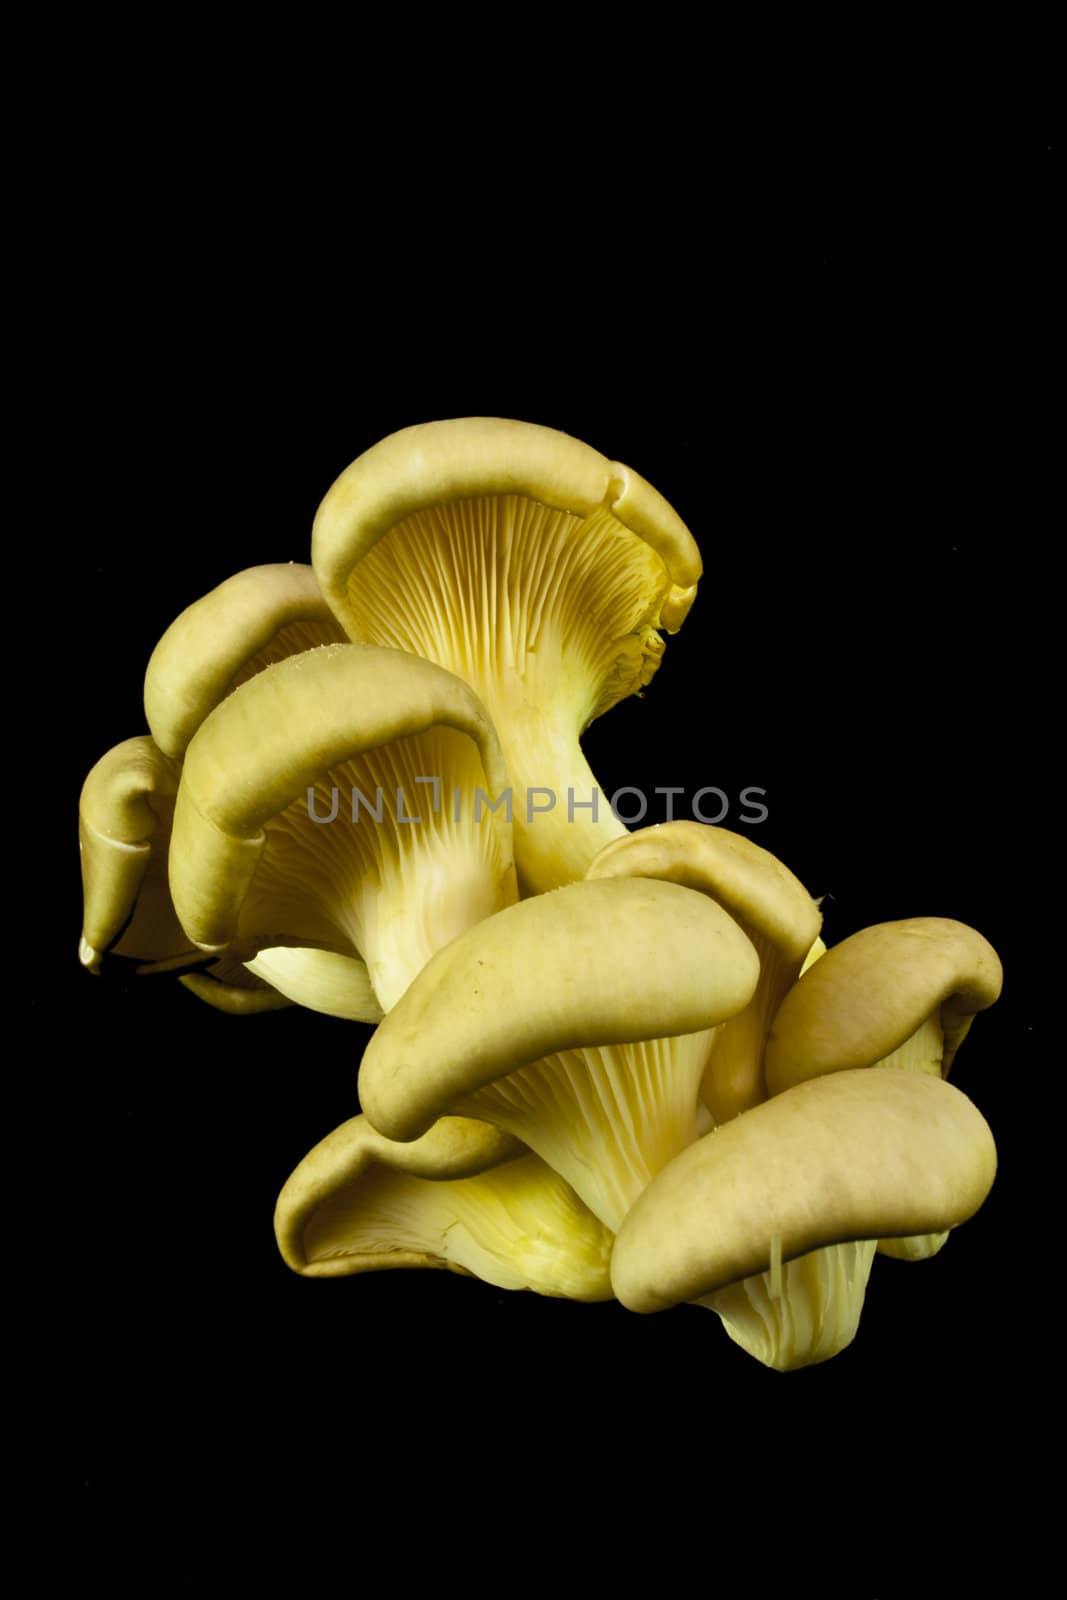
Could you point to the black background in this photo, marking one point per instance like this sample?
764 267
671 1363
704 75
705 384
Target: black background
835 369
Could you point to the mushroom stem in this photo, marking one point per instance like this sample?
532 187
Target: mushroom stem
562 817
805 1313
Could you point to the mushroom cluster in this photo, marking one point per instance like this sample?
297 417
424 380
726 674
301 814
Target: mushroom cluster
606 1064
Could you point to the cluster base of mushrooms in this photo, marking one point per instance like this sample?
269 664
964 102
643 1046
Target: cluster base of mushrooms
606 1064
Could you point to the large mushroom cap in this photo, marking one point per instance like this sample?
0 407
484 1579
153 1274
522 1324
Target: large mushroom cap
594 964
855 1155
868 995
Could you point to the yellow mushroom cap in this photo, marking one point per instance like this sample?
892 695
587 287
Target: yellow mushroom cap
748 881
256 617
464 1197
612 962
869 994
856 1155
263 746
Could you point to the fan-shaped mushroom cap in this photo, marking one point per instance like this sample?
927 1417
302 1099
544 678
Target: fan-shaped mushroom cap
854 1155
772 907
463 1196
248 622
578 1021
870 994
241 801
593 964
534 568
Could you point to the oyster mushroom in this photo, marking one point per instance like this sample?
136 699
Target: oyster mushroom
255 863
899 993
577 1021
535 569
849 1157
464 1196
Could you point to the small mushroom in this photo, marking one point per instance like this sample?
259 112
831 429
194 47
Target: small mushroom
463 1196
558 1019
535 569
868 998
768 903
852 1156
